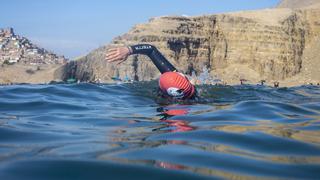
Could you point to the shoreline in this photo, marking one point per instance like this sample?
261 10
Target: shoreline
266 84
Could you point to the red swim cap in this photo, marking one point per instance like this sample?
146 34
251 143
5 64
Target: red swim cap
176 85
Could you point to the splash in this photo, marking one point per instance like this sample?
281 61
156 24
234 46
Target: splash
204 78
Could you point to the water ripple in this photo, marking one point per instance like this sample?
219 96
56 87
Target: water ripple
231 132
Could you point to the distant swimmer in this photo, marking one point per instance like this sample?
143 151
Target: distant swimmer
171 83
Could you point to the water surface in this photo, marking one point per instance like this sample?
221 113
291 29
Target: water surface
88 131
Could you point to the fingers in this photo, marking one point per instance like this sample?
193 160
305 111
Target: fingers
117 54
113 50
113 56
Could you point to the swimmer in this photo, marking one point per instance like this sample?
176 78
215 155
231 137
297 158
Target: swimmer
171 83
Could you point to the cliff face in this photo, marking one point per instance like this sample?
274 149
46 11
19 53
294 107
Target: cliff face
297 3
267 44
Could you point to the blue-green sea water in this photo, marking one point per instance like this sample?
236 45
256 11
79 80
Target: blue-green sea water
124 131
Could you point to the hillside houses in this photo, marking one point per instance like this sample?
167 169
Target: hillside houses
17 49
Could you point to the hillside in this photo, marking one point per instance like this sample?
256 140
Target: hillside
297 3
23 62
233 46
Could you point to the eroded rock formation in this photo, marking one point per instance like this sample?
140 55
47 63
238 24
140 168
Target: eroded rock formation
297 3
267 44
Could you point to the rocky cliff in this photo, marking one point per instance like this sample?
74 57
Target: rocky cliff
297 3
254 45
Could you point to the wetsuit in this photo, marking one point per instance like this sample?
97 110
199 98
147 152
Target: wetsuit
157 58
171 82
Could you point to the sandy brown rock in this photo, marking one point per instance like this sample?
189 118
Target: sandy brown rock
21 73
271 44
297 3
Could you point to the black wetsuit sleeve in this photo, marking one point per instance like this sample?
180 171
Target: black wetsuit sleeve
157 58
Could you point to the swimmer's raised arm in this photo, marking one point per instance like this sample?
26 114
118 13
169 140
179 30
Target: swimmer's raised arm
171 83
121 54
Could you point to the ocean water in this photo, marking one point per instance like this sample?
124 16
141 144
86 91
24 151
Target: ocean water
124 131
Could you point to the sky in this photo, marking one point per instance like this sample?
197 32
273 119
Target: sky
75 27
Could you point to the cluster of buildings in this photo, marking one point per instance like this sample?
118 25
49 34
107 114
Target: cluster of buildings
17 49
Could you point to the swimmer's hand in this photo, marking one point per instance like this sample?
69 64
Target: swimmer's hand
119 54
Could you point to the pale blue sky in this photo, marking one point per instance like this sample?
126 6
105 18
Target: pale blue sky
75 27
